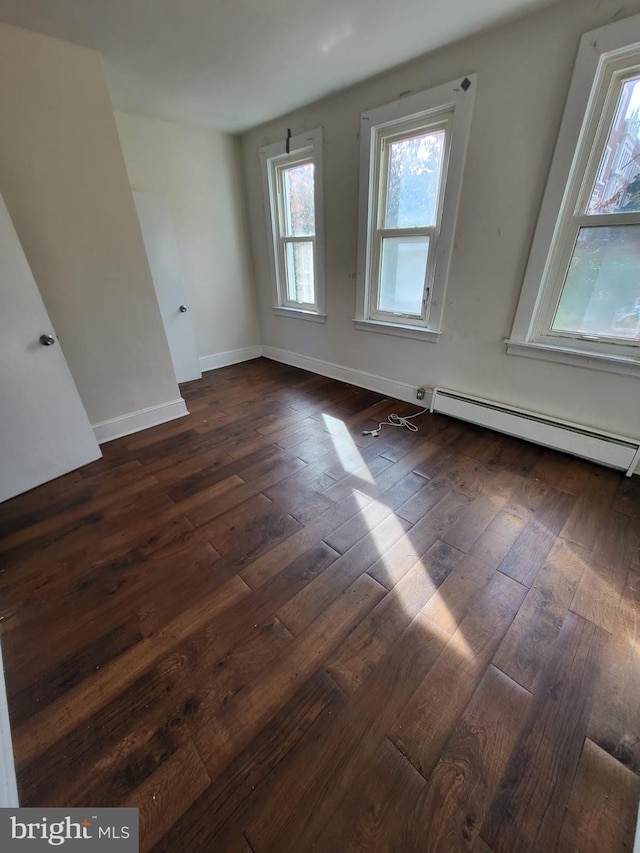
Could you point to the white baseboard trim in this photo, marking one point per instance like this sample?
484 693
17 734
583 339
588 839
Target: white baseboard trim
232 356
8 784
360 378
142 419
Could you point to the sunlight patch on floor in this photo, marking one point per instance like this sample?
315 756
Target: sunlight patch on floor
403 552
377 511
345 447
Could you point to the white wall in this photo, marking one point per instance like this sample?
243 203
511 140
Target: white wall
65 184
199 172
524 71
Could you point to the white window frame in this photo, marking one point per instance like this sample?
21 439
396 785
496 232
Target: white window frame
605 57
303 148
450 106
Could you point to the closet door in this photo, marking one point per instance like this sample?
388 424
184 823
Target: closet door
44 429
164 262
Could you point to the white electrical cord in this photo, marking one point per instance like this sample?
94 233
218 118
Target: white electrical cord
396 421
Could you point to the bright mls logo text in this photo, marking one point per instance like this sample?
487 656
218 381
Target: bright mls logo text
58 832
40 829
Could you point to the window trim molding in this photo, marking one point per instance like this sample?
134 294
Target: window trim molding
439 101
309 142
299 313
568 355
402 330
601 55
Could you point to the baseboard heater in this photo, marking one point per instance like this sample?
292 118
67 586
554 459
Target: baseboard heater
615 451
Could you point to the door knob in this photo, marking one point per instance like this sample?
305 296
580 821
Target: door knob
47 340
183 308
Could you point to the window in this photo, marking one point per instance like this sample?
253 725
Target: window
580 301
292 189
412 158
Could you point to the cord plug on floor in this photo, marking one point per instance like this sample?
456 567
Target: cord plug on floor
396 421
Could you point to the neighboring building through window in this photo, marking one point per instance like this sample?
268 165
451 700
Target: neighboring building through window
580 301
412 158
293 205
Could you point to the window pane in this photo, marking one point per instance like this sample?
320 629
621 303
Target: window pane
617 187
601 295
415 170
299 260
299 212
402 274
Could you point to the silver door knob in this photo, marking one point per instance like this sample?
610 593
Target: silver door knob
47 340
183 308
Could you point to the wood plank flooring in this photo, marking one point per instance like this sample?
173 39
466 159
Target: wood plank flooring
269 632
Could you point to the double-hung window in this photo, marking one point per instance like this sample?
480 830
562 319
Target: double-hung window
412 158
293 204
580 302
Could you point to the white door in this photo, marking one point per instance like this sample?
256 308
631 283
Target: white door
164 262
44 429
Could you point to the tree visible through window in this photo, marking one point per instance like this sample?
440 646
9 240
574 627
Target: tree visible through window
415 170
601 292
412 167
580 299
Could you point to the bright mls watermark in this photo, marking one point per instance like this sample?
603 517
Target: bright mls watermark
104 830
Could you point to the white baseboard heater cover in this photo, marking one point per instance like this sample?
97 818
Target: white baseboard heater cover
615 451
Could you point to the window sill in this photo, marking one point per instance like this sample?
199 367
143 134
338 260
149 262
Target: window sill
415 332
622 365
299 314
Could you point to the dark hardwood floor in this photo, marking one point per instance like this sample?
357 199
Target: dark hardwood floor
272 633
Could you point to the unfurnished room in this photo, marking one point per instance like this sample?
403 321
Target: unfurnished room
320 426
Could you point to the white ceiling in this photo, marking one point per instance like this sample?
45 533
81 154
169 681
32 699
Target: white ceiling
232 64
